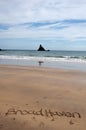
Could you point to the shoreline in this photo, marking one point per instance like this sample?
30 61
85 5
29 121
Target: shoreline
39 98
46 64
40 68
72 60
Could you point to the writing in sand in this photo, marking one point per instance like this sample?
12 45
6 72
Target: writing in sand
44 113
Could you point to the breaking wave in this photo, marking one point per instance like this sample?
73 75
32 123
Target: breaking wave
80 59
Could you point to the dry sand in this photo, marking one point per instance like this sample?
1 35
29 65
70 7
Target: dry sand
34 98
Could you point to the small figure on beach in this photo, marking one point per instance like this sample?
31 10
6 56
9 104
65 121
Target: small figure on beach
40 62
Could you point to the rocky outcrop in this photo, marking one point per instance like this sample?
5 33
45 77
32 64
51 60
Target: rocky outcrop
41 48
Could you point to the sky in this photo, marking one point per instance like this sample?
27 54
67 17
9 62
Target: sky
56 24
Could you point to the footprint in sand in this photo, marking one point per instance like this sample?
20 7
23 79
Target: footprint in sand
41 124
45 97
14 118
37 102
71 122
26 104
1 126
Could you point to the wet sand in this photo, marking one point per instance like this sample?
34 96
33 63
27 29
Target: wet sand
37 98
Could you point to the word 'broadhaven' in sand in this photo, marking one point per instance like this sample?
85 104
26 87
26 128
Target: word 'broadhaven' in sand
43 112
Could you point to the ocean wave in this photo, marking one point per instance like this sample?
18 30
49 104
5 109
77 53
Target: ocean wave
47 58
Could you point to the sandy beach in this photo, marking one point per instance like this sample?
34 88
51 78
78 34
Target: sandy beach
37 98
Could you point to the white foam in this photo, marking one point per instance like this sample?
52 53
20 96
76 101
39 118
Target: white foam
48 59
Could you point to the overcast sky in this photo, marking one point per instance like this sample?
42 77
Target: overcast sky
57 24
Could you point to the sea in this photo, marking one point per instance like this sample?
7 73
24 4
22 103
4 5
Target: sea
75 60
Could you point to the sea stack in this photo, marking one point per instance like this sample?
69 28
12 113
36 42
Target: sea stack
0 49
41 48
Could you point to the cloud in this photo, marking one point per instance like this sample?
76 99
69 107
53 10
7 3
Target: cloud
66 29
43 18
20 11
